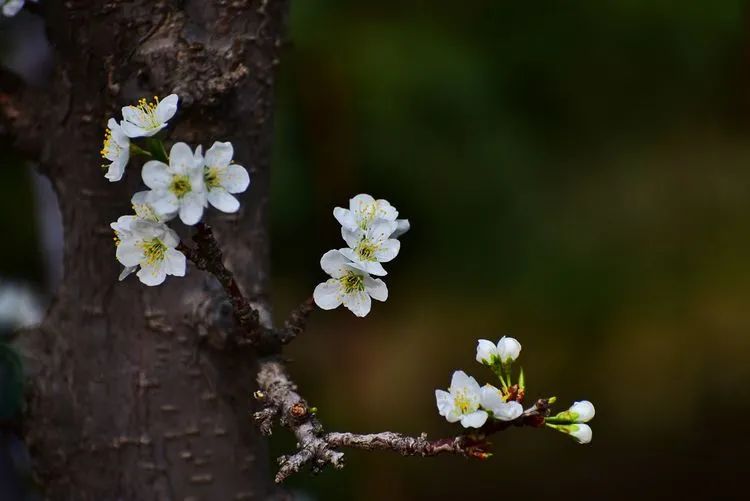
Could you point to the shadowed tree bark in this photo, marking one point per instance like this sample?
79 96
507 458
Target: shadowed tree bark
124 403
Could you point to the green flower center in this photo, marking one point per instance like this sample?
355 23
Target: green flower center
352 282
366 250
154 250
180 186
211 176
463 402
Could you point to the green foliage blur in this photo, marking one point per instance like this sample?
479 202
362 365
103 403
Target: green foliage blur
577 175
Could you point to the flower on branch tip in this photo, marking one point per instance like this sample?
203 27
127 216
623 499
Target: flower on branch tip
349 285
580 412
505 351
222 177
493 401
582 433
462 401
178 187
368 248
12 7
149 245
146 119
116 149
364 210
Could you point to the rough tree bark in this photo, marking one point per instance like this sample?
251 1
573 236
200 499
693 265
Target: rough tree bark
125 404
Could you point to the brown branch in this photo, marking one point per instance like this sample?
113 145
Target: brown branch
207 256
278 394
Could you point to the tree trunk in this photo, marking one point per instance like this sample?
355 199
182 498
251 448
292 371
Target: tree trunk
126 403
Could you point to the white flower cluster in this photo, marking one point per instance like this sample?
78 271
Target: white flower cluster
471 404
370 229
183 187
11 7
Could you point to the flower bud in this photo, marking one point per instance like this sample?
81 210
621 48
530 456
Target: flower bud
579 412
486 352
580 432
508 349
582 412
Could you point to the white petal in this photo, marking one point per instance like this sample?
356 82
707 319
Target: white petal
459 380
360 201
371 267
380 230
358 303
132 117
376 288
507 411
126 271
153 274
181 158
129 254
474 420
508 348
486 351
352 237
490 397
116 170
444 402
388 250
219 198
402 226
235 179
133 131
334 263
175 263
584 410
164 202
166 108
219 155
346 218
386 210
582 433
169 237
156 175
328 295
191 208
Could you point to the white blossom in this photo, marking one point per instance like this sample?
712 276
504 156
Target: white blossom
222 177
508 349
179 186
363 211
116 149
349 285
462 401
12 7
492 400
146 119
149 245
368 248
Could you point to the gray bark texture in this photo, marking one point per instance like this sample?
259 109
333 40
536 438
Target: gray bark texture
125 404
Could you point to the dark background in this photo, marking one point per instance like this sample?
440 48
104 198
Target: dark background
577 175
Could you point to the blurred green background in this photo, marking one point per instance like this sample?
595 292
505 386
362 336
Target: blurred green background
577 175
